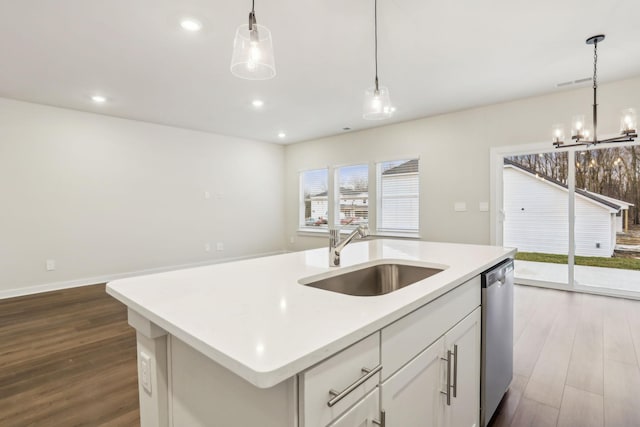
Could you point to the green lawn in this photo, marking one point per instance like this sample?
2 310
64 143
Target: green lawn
623 263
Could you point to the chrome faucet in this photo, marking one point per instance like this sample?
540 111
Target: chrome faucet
336 245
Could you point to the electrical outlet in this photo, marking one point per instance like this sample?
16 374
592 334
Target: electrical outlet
220 246
292 239
207 195
145 371
207 247
51 264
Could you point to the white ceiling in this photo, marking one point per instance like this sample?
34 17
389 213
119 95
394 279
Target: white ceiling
435 57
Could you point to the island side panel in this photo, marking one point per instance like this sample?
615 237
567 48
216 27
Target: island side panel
152 371
204 393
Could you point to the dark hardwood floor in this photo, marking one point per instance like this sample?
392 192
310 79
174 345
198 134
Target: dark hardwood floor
67 358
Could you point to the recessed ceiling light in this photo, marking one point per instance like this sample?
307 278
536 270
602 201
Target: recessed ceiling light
281 135
98 99
257 103
191 25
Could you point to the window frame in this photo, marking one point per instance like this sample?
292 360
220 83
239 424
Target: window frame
379 200
374 200
337 198
302 226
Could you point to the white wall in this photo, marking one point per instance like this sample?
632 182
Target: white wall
454 154
104 196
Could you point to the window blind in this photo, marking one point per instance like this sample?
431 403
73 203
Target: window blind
398 196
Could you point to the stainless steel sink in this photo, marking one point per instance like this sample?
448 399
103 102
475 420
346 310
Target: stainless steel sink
376 280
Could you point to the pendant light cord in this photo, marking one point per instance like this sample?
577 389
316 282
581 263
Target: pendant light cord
375 26
252 16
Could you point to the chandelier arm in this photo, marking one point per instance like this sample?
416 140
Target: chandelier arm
579 144
626 138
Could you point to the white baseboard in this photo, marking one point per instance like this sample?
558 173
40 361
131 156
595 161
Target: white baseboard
47 287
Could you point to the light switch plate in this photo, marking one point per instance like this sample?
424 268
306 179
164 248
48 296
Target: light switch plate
460 207
484 206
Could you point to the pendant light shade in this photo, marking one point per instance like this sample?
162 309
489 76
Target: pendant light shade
252 57
377 104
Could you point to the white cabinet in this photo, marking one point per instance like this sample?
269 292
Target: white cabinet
464 343
416 395
411 397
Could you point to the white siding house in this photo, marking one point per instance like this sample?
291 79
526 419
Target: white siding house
622 218
536 216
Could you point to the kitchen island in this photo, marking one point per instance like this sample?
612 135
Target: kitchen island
246 342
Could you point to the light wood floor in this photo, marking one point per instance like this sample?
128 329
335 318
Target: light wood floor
67 358
576 361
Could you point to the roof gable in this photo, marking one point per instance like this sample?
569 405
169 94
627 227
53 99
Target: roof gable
594 197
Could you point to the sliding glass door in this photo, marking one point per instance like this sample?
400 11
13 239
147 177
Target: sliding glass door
607 226
574 217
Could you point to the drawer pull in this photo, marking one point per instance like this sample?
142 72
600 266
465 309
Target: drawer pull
337 396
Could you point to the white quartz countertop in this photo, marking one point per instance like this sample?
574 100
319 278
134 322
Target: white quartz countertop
257 320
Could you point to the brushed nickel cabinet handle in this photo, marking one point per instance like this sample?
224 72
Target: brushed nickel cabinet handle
383 420
448 392
337 396
455 370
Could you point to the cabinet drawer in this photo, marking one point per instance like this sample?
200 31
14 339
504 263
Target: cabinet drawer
338 373
407 337
362 414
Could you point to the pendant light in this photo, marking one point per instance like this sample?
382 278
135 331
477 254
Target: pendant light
252 57
377 103
579 132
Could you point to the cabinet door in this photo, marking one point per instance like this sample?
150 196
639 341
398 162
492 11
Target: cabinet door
362 414
464 338
412 396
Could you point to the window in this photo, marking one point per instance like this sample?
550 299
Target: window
314 197
352 188
398 196
343 197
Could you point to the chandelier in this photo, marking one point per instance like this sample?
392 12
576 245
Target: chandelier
579 132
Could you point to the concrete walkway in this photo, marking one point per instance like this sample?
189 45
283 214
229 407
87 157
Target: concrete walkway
589 277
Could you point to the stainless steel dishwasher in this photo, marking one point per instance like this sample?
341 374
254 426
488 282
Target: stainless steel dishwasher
497 337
